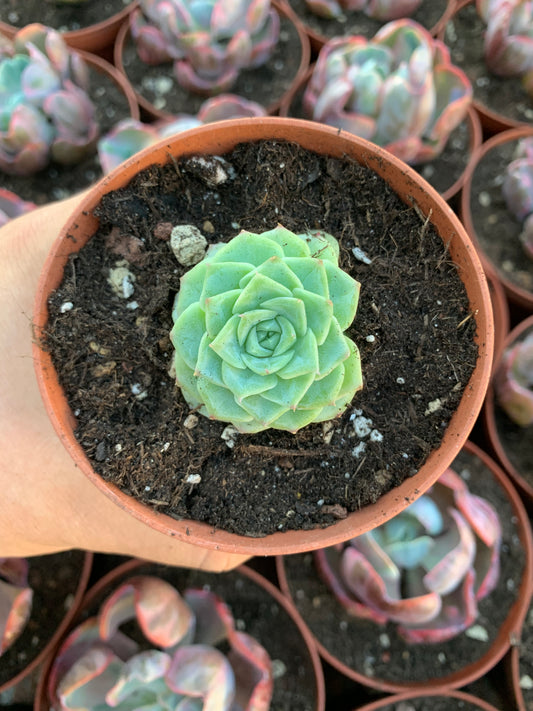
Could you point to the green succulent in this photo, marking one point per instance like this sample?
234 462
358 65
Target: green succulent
259 332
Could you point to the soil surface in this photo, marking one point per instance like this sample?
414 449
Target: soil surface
526 661
256 612
59 181
503 95
378 651
54 579
496 229
62 16
357 23
413 329
265 84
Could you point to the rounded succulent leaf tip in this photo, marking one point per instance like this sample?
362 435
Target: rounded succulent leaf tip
259 332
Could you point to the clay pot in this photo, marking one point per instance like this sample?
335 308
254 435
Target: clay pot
102 66
22 647
239 589
153 112
293 582
500 312
216 139
490 408
482 233
457 700
492 121
94 38
291 106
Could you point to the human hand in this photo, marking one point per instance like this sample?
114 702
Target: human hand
48 505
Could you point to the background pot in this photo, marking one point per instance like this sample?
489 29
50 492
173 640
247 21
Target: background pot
508 630
237 588
517 294
216 139
457 700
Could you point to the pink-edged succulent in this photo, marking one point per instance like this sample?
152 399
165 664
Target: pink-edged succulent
513 382
517 188
131 136
192 658
45 111
383 10
508 43
210 41
15 600
424 570
398 89
11 206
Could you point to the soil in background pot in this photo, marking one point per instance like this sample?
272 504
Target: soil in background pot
64 17
413 329
378 651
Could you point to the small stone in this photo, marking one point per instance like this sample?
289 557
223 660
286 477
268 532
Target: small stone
193 479
328 429
190 421
229 435
162 230
104 369
100 453
121 281
360 255
188 244
526 682
66 306
208 227
278 669
478 633
213 170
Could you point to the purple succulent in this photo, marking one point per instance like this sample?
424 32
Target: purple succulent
398 90
15 600
513 382
11 206
45 111
517 188
425 569
509 35
383 10
192 658
210 41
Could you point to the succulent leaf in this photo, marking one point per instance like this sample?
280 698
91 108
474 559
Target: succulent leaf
508 43
513 382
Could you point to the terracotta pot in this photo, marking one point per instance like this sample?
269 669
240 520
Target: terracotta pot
69 613
94 38
508 631
491 120
124 38
219 138
457 700
500 312
514 675
491 427
318 39
286 620
291 106
102 66
517 294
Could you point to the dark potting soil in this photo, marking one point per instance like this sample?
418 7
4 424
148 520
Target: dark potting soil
497 230
442 172
525 667
264 85
503 95
377 651
413 328
256 612
62 16
54 580
357 23
59 181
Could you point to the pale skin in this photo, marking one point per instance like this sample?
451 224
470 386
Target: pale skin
47 504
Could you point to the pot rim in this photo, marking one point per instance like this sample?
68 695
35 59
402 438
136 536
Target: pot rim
223 136
407 696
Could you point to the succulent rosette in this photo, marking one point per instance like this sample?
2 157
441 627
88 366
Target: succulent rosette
259 332
508 43
517 189
426 569
513 382
15 600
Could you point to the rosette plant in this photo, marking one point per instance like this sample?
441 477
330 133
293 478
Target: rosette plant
513 382
192 657
259 332
508 43
517 190
383 10
15 600
210 41
45 111
425 569
399 90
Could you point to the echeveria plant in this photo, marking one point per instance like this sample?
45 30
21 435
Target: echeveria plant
45 110
399 90
509 35
383 10
513 382
192 657
210 41
517 188
259 332
425 569
11 206
15 600
130 136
